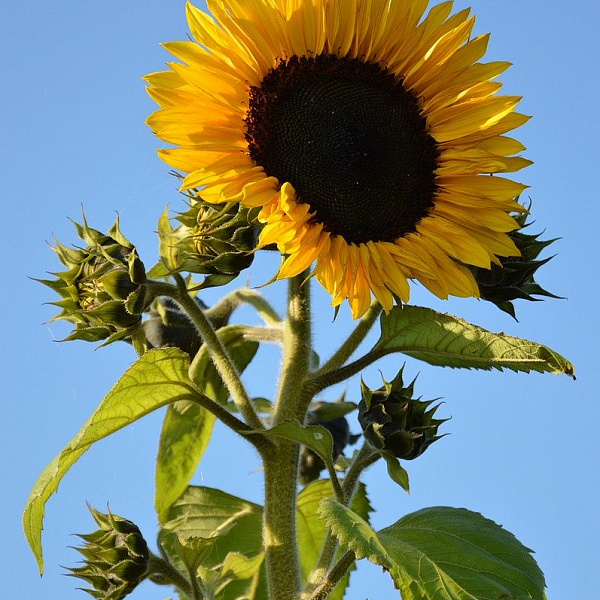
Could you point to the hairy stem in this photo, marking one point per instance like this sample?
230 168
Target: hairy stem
229 303
354 340
297 344
218 353
279 527
319 382
162 572
231 421
273 335
281 462
365 458
333 577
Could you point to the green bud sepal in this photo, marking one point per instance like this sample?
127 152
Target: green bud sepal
394 422
104 289
116 557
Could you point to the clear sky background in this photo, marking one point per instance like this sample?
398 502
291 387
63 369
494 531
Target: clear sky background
523 449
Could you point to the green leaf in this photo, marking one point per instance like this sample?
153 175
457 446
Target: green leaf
202 511
188 427
312 530
192 551
315 437
354 533
241 567
206 512
457 554
445 340
185 435
443 553
396 471
158 378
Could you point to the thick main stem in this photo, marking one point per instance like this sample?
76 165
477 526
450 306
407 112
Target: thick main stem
281 462
297 346
279 527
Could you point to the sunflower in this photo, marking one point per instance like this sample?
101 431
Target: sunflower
365 131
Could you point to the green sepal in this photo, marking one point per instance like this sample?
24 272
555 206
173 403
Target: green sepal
118 284
514 277
137 301
396 471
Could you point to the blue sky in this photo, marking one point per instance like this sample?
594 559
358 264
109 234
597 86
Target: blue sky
523 449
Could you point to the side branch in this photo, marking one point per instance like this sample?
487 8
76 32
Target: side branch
319 382
354 340
219 355
259 441
333 577
231 301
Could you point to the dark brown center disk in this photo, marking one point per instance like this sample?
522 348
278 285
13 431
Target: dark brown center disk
352 142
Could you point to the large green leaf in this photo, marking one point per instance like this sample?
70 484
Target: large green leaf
445 340
203 512
443 553
312 530
188 427
157 378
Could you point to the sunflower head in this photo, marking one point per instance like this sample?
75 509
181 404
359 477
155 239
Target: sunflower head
370 139
393 421
103 291
116 557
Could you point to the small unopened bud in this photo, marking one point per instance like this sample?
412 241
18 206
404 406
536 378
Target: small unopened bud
394 422
216 241
116 557
103 290
168 326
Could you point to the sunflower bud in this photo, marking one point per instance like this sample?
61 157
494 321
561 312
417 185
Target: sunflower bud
394 422
116 557
216 241
103 290
513 278
168 326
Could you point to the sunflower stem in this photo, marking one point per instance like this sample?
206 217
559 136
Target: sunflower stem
354 340
320 381
333 577
162 572
273 335
218 353
231 301
365 458
297 343
231 421
281 462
